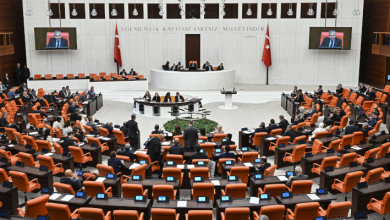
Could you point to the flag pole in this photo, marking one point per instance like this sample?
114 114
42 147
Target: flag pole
117 64
267 77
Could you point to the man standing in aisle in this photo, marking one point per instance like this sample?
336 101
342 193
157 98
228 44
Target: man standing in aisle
190 135
133 131
18 74
25 73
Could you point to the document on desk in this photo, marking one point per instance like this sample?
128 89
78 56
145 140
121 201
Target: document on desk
356 147
313 197
270 139
100 179
165 143
11 145
54 196
279 136
282 178
56 139
254 200
247 132
67 198
49 154
32 133
134 165
215 182
248 164
86 102
190 166
181 203
89 135
106 139
140 152
181 166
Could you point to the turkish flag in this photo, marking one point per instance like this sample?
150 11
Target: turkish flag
267 50
117 53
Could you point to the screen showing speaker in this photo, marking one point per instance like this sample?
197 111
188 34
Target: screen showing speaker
55 38
330 38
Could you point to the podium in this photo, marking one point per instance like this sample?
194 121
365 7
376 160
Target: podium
228 100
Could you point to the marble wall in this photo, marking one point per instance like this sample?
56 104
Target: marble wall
293 62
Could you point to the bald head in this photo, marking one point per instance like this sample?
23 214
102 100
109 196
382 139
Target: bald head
68 173
161 137
177 140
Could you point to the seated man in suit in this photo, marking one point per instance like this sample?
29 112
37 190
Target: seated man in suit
263 165
72 107
109 127
61 94
364 129
309 113
123 73
23 88
299 176
228 140
367 90
11 94
353 127
339 89
341 112
91 124
178 97
283 123
132 72
31 95
42 113
4 122
205 65
371 93
177 148
25 98
272 126
227 153
72 179
83 97
127 152
165 67
261 128
68 141
291 133
124 129
51 98
297 120
299 98
332 40
192 65
58 41
68 93
91 93
374 120
198 154
156 129
3 88
319 91
174 68
220 67
362 88
209 67
115 163
294 92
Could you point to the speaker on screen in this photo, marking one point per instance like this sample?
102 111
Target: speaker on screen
55 38
330 38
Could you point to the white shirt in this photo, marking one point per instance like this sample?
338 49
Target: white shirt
66 131
57 125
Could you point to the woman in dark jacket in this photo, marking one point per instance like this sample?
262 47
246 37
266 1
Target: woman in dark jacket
6 80
156 97
167 97
115 163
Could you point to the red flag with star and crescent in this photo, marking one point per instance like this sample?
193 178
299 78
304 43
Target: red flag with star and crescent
267 50
117 53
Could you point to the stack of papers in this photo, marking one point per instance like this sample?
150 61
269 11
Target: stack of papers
55 196
181 203
90 135
67 198
282 178
86 102
248 164
356 147
134 165
216 182
141 152
106 139
100 179
279 136
190 166
313 196
11 145
32 133
56 139
181 166
49 154
247 132
270 138
165 143
254 200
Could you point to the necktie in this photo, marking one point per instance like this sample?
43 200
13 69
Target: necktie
57 44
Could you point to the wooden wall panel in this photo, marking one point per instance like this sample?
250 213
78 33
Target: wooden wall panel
305 7
11 20
80 8
231 11
195 8
253 9
264 9
56 14
153 11
140 9
284 9
212 11
192 49
120 8
100 8
173 11
374 68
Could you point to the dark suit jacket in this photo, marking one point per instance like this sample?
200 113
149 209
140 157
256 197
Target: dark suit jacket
299 99
116 164
263 167
326 42
53 43
127 153
292 134
22 89
340 90
83 98
67 142
351 129
51 99
190 136
74 116
209 68
174 68
311 113
296 122
193 65
75 183
156 132
132 126
156 99
342 113
362 89
31 95
177 100
260 130
166 99
17 71
147 97
204 66
197 156
227 143
319 92
373 122
365 131
5 81
176 149
4 122
72 108
298 177
227 155
372 95
40 112
272 127
125 130
154 149
283 125
61 94
25 99
220 68
132 73
109 128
